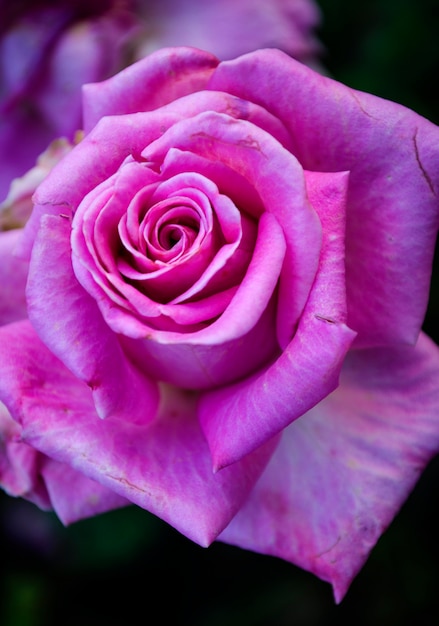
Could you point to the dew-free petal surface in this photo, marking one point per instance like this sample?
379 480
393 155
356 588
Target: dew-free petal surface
74 496
343 470
20 464
164 467
237 418
393 157
69 322
147 85
27 473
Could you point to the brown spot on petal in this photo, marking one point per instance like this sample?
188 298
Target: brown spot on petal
421 167
322 318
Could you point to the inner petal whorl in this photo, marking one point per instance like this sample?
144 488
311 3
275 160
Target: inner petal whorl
168 231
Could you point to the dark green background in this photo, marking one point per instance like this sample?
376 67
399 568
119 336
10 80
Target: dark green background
127 567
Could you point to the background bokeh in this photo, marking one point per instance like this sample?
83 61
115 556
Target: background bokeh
126 567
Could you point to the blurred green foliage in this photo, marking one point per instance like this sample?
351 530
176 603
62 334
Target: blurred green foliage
386 47
126 567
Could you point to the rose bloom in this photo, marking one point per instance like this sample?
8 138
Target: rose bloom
50 48
227 279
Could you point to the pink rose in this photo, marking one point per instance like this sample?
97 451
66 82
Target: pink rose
227 281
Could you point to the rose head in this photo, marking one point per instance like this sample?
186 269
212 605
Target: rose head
234 246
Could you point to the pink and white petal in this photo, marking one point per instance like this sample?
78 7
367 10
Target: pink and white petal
69 322
238 418
393 156
342 471
73 495
164 467
13 276
163 77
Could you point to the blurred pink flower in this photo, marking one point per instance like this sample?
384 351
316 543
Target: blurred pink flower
229 28
49 49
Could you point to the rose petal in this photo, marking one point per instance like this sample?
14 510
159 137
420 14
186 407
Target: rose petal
164 467
105 148
148 84
27 473
393 158
278 179
344 469
97 157
229 182
73 495
72 327
238 418
19 464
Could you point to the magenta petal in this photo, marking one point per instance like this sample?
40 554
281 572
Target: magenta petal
148 84
69 322
393 156
164 467
73 495
276 176
28 473
19 464
344 469
98 156
13 276
238 418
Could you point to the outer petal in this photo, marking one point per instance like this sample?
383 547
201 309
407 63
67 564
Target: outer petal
163 77
69 322
164 467
344 469
237 418
29 474
13 275
19 464
73 495
393 156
